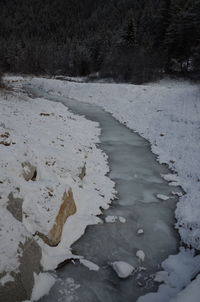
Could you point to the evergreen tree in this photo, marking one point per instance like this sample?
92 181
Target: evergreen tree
130 35
124 39
182 33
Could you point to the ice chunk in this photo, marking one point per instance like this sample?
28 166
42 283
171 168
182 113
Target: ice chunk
162 197
179 194
122 219
5 279
92 266
111 219
141 255
123 269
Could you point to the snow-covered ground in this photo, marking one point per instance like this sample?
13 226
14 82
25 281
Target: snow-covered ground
49 162
168 115
165 113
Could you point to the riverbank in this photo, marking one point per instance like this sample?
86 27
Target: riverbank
50 165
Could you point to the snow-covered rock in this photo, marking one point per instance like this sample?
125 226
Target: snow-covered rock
123 269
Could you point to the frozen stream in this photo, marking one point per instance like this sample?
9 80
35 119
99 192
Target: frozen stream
138 179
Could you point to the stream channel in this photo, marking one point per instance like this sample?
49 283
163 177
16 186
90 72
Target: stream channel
137 174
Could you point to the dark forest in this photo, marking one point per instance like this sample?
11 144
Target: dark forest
127 40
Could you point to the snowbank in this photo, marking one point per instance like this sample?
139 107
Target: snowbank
178 271
48 157
190 293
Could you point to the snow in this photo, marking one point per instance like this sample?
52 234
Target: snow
6 278
122 219
141 255
123 269
178 271
191 293
90 265
162 197
167 114
42 285
140 232
59 144
179 194
112 219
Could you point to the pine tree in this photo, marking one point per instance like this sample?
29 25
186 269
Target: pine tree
182 33
130 36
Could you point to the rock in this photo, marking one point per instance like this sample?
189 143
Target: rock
4 139
83 172
67 208
29 171
20 286
14 206
46 114
122 269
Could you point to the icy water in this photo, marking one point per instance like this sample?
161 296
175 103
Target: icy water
138 179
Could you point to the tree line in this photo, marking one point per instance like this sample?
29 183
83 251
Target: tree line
128 40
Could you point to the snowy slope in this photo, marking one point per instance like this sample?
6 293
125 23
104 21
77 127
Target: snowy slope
60 146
